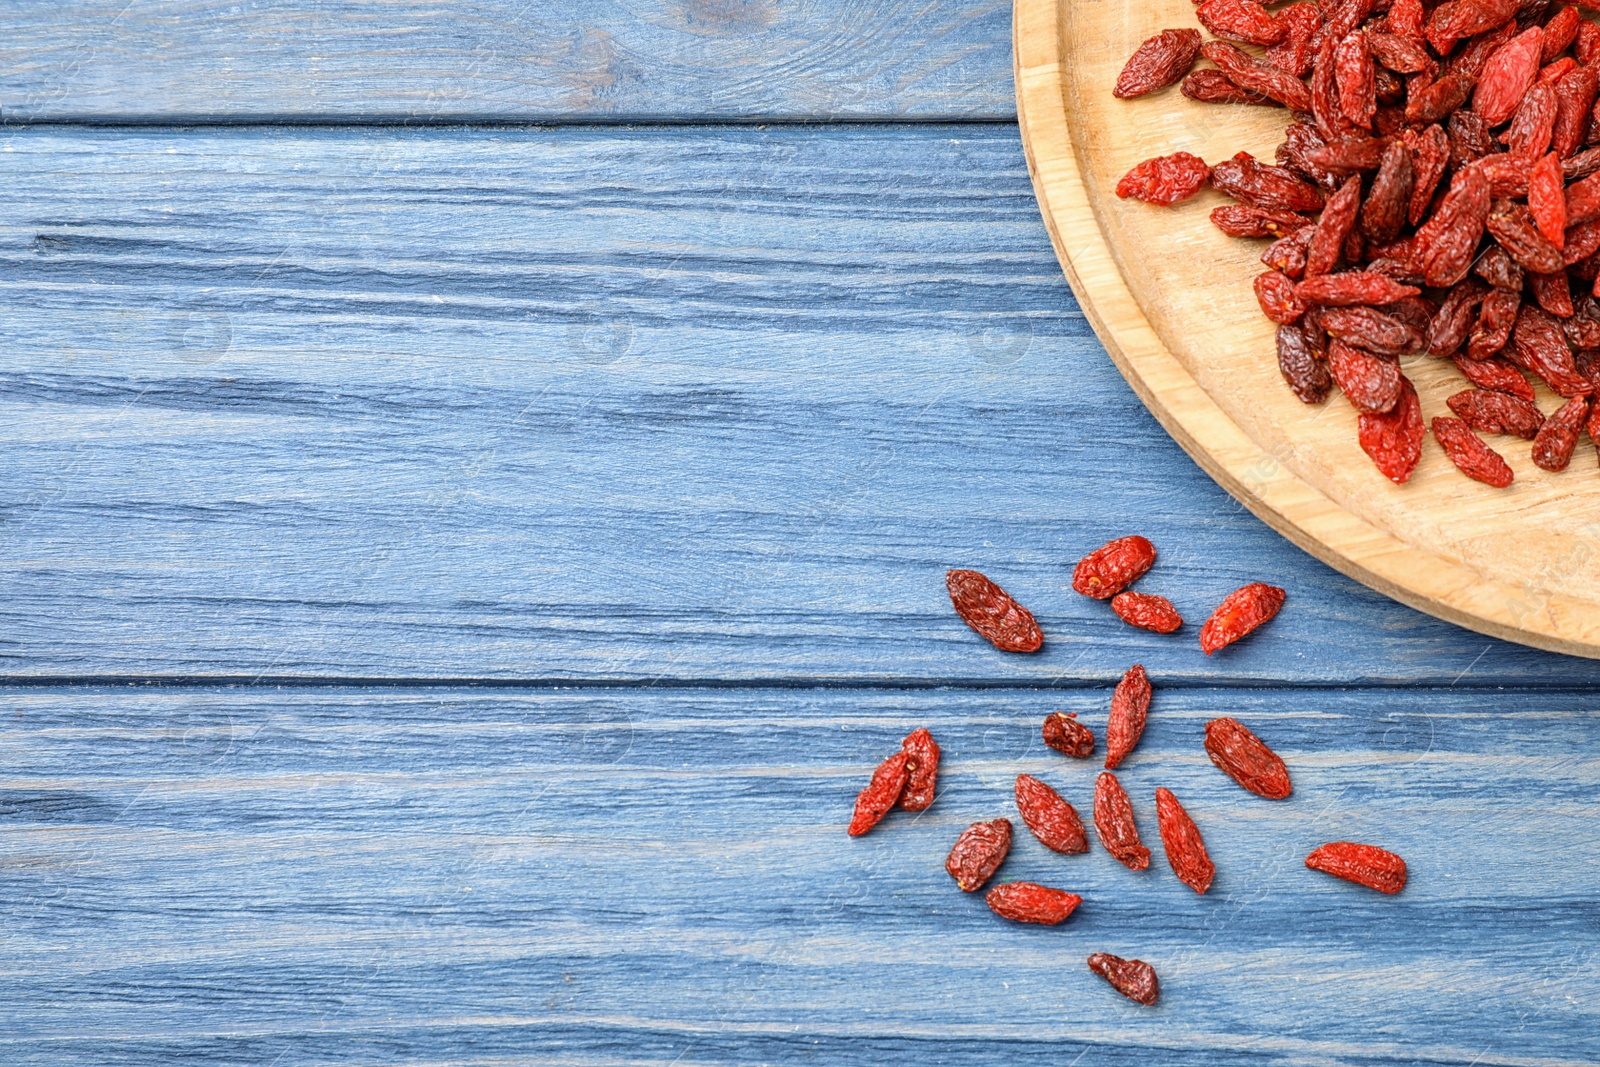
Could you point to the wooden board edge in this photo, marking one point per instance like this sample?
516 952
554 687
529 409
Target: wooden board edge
1428 582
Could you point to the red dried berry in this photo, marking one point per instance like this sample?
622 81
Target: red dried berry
1507 76
1497 375
1447 241
1353 287
1239 20
1134 979
1053 821
1240 612
1294 53
1245 758
880 795
1371 329
1130 704
1366 865
1147 611
1384 213
1371 384
922 769
992 612
1275 293
1064 733
1393 439
1298 363
1260 185
1030 902
1242 220
1113 823
1538 345
1430 154
1180 837
1213 87
1158 62
1470 455
978 853
1112 567
1492 412
1552 448
1253 75
1513 226
1354 76
1165 180
1332 228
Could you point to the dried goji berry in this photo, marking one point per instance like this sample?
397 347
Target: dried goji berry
1384 213
1328 239
1587 45
1370 383
1449 329
1112 567
1287 255
1492 412
1439 99
1293 54
880 795
1553 292
1371 329
1030 902
1353 287
1470 455
1053 821
1400 53
1297 361
1528 136
1456 19
1130 703
1507 75
922 769
1213 87
1147 611
1575 94
1247 72
1539 346
1559 32
1165 180
1134 979
1358 153
1240 612
1430 154
978 853
1513 226
1495 319
1366 865
992 612
1258 184
1245 758
1552 448
1546 200
1242 220
1064 733
1113 823
1495 374
1393 438
1353 74
1158 62
1496 267
1275 293
1239 20
1447 242
1186 851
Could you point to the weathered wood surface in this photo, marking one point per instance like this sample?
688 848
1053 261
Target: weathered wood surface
592 404
607 876
504 61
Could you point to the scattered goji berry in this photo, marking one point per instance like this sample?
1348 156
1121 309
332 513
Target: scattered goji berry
1064 733
1470 455
1053 821
1354 76
978 853
1372 330
1538 345
1213 87
1298 363
1447 242
1158 62
1257 76
1552 448
1165 180
1366 865
1147 611
992 612
1130 704
1494 412
1242 220
880 795
1507 75
1275 293
1030 902
1239 20
1240 612
1134 979
1495 374
1293 54
1393 438
1497 268
1258 184
1371 383
1353 287
1496 317
1180 838
1112 567
1113 823
1245 758
1384 213
922 769
1513 226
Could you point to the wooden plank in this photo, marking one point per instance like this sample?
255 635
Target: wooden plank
501 61
666 405
431 876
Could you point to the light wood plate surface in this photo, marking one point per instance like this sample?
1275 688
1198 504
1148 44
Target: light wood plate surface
1171 297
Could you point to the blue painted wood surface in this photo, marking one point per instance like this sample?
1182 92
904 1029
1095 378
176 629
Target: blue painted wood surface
667 434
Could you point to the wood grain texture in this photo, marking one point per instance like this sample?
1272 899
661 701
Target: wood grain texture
446 876
504 61
1170 295
657 405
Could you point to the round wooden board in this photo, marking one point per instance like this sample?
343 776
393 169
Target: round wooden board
1171 297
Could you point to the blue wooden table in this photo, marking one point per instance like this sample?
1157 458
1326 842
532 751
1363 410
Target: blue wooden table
479 486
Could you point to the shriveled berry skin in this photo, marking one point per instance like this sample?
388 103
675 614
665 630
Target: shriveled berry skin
1147 611
1507 76
1242 220
1245 758
1240 20
1112 567
1165 180
1259 185
1064 733
1372 330
1366 865
1353 287
922 769
1493 412
881 794
1393 439
1130 704
1240 612
1253 75
978 853
1275 293
1213 87
1158 62
1305 374
1553 445
1114 825
1134 979
1053 821
1030 902
1180 837
992 612
1539 345
1470 455
1496 375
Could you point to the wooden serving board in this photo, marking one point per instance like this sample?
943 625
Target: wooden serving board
1171 297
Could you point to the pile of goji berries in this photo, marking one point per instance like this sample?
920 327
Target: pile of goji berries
1443 150
908 777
